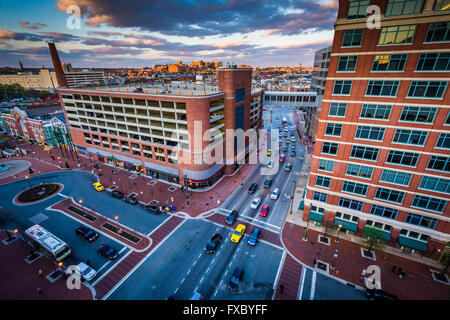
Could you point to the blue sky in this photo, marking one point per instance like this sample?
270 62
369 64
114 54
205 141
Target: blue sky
139 33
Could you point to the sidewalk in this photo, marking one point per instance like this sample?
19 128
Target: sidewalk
21 280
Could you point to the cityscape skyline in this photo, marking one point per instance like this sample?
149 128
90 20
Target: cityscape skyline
258 34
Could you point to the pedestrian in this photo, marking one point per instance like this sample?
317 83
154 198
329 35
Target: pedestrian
281 288
394 268
40 273
38 290
399 271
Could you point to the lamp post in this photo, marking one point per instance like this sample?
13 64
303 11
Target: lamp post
305 238
335 257
28 180
339 229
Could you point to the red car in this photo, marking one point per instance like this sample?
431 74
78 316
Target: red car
264 210
282 158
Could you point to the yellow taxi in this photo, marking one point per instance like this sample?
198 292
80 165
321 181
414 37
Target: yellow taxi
269 152
98 186
238 233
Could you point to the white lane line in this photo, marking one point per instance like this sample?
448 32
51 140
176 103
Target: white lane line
183 280
103 266
313 286
176 290
112 268
195 262
212 262
302 283
201 280
196 288
189 271
199 255
207 270
277 276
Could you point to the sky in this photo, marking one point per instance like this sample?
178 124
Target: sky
139 33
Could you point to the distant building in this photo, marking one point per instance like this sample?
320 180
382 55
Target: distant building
45 79
85 77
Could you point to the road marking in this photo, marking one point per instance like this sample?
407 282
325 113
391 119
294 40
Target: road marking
176 290
212 262
195 262
201 280
313 286
103 266
199 255
112 268
196 288
207 270
189 271
277 276
302 283
183 280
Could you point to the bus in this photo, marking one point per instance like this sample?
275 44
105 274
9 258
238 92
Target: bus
48 242
284 121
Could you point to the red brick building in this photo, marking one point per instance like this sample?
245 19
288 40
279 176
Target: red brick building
144 128
381 163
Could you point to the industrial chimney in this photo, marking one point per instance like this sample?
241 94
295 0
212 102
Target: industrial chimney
60 76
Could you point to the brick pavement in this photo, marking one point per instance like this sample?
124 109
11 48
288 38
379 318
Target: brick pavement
20 280
290 279
418 283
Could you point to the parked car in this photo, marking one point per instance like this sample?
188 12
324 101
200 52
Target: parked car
83 271
270 164
268 183
253 188
108 252
255 203
98 186
153 209
275 193
378 294
238 233
253 238
87 233
212 245
117 194
288 167
130 200
235 279
232 217
264 210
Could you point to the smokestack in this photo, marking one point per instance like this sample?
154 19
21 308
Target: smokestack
60 76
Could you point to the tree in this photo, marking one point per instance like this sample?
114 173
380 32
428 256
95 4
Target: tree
374 237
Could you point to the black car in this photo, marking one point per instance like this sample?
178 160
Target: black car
89 234
117 194
130 200
153 209
107 251
253 188
232 217
377 294
235 278
212 245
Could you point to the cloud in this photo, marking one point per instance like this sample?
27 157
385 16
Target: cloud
33 26
105 34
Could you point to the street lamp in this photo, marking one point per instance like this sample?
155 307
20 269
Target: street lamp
80 201
339 229
28 180
335 257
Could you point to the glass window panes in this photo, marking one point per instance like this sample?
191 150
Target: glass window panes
322 181
414 137
396 177
357 9
319 196
389 195
369 133
347 63
439 163
350 204
403 7
428 203
418 114
441 5
330 147
354 187
427 89
397 34
333 129
443 141
352 38
435 184
402 158
358 170
337 109
438 32
389 62
382 88
326 165
375 111
384 212
434 62
342 87
366 153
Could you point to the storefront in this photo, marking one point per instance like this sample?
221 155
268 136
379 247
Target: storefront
160 172
195 183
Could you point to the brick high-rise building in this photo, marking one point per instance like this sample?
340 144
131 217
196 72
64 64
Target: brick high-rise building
381 163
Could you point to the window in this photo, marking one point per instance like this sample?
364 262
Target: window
375 111
438 31
427 89
342 87
402 7
337 109
434 62
322 181
443 141
414 235
418 114
397 34
410 137
326 165
354 187
369 133
441 5
396 177
421 221
439 163
382 88
384 212
333 129
391 62
350 203
347 63
428 203
357 9
435 184
317 209
359 171
389 195
348 217
352 38
447 121
240 95
379 225
366 153
319 196
402 158
330 147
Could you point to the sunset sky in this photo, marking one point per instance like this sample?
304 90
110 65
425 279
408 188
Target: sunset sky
139 33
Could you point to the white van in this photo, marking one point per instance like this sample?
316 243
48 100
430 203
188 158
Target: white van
275 193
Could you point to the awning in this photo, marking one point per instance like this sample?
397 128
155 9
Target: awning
381 234
413 243
302 205
346 225
315 216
